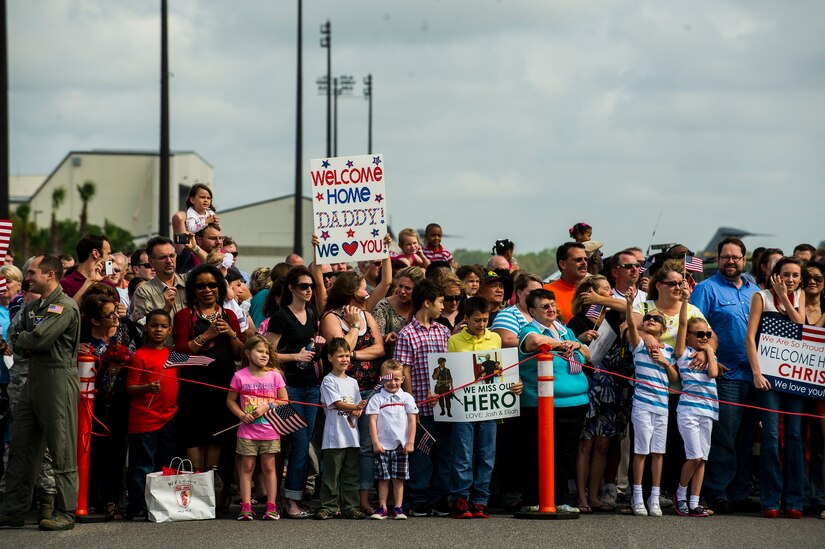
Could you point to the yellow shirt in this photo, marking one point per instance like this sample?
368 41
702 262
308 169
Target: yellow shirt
465 341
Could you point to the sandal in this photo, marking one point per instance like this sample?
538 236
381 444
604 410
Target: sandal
585 509
300 514
113 512
604 508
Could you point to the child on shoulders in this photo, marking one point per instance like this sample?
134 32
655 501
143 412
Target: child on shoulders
433 250
199 213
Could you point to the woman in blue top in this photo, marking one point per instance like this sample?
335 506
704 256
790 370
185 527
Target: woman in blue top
570 400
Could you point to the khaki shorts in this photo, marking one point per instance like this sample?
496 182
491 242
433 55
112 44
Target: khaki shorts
249 447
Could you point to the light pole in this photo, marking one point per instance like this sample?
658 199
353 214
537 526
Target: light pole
368 97
326 42
341 85
298 244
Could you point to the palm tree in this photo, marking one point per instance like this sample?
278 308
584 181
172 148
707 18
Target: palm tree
87 192
23 212
58 197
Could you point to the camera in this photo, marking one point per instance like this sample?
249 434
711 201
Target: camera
108 269
181 238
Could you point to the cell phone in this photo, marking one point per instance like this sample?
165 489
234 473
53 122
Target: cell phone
181 238
108 269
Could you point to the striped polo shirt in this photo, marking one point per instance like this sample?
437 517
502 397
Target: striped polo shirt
646 397
696 383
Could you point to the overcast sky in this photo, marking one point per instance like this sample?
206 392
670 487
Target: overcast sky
497 118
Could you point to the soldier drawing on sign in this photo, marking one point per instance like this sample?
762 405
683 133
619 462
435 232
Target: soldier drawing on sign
486 367
444 386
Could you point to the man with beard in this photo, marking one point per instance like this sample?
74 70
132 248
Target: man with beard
725 300
571 257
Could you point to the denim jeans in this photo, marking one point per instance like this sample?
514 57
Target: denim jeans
728 472
148 452
473 457
366 457
791 475
430 474
296 473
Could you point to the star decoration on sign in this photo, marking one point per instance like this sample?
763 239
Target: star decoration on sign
325 163
350 233
350 163
375 232
376 160
319 196
382 221
379 197
325 235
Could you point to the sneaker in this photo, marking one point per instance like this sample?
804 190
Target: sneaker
355 514
564 508
681 507
529 508
441 509
246 513
639 509
461 510
653 507
665 501
324 514
271 512
399 514
379 514
57 522
610 497
419 509
699 511
479 510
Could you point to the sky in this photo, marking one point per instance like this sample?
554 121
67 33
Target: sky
496 118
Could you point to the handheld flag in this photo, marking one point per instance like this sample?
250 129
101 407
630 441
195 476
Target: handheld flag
179 360
378 386
574 366
693 264
425 444
594 312
285 419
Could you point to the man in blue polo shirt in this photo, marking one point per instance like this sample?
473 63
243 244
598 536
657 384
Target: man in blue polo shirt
724 299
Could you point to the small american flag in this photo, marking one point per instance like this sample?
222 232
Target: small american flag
179 360
594 312
693 263
575 366
285 419
425 444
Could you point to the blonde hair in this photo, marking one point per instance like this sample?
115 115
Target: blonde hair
448 280
252 342
416 274
407 233
215 257
12 272
392 366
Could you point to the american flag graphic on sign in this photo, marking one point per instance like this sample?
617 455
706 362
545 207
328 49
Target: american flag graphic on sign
693 264
179 360
285 419
780 327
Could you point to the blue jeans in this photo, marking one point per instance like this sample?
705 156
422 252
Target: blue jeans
148 452
473 457
366 456
296 472
728 474
773 478
430 474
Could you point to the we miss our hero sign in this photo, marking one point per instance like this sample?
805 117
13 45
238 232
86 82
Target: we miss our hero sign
349 205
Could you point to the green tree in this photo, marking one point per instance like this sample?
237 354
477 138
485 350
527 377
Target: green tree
68 233
542 263
25 226
58 197
86 192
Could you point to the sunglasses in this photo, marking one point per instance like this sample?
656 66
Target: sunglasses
327 276
817 279
655 318
148 265
629 266
546 306
205 285
701 335
452 298
303 286
672 283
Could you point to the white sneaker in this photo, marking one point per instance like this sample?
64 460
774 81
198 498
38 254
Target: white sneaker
653 506
609 496
639 509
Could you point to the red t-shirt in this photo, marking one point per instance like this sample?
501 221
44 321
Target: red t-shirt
146 367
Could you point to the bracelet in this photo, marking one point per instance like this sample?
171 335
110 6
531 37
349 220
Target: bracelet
233 336
199 341
353 356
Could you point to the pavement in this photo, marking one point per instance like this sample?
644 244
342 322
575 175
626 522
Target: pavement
597 530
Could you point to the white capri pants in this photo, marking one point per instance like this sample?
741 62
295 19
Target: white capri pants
649 432
695 431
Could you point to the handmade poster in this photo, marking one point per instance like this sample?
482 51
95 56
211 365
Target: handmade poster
349 204
792 357
487 393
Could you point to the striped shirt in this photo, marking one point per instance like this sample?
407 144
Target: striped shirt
696 383
645 397
413 344
439 253
510 319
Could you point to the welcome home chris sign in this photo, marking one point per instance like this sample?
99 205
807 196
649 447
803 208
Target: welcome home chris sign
349 205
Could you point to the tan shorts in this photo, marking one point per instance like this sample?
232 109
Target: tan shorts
249 447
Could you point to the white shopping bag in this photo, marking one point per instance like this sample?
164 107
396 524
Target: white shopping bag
185 495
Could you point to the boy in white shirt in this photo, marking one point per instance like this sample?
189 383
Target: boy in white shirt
340 444
392 414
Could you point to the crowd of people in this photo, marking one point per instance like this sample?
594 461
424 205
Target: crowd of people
347 347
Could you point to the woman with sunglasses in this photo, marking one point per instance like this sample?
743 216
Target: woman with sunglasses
344 317
784 299
205 328
452 314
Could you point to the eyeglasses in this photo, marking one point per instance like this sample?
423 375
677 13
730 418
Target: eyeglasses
655 318
629 266
205 285
110 316
303 286
452 298
672 283
702 335
734 258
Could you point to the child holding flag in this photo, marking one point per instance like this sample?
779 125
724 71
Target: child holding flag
154 392
259 385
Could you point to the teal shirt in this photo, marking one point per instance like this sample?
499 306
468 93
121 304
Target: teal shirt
568 390
256 307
